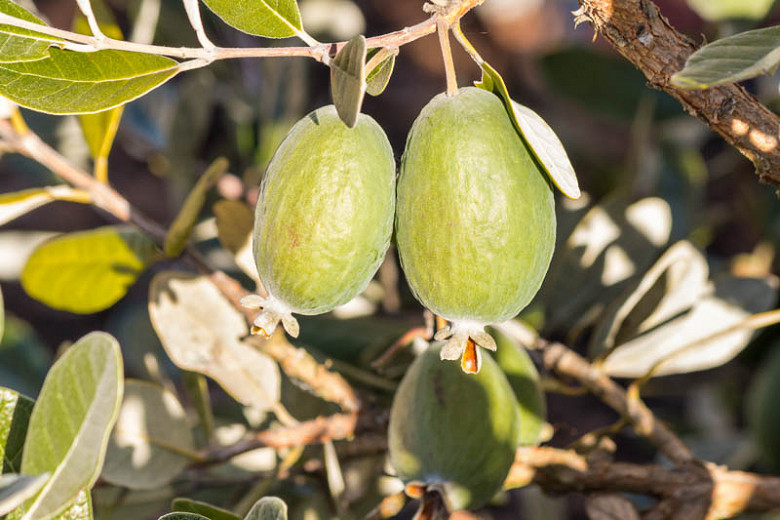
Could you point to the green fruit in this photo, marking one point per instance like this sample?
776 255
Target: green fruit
523 377
454 432
764 413
324 217
475 222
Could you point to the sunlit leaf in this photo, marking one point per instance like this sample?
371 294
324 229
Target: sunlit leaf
201 331
718 10
268 508
100 130
347 79
185 505
15 489
71 82
235 223
269 18
17 44
15 410
537 134
735 58
87 271
682 344
80 401
378 78
151 439
14 205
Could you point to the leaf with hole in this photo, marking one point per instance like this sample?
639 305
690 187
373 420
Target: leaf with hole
347 79
69 82
80 401
151 442
87 271
268 508
537 134
202 332
15 410
269 18
735 58
18 44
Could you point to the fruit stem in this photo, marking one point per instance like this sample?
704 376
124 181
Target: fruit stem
446 52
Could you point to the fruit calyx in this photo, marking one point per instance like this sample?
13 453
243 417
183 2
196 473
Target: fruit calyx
462 341
272 312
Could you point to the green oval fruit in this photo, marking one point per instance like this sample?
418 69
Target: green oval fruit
475 220
454 432
324 217
523 377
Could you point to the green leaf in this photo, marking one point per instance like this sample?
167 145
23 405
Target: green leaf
14 205
87 271
184 516
718 10
378 78
15 410
151 442
185 505
268 508
80 402
269 18
83 82
347 79
197 387
742 56
15 489
14 45
201 332
536 134
182 226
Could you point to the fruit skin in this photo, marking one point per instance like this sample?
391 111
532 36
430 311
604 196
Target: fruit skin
324 217
523 377
454 431
475 221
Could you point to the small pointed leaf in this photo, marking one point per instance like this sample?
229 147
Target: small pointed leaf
201 331
736 58
269 18
537 134
15 489
71 82
347 79
80 402
268 508
185 505
87 271
151 439
19 44
15 410
378 78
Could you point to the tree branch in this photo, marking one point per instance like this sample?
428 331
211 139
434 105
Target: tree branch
638 31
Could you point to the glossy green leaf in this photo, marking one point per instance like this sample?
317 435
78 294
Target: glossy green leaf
378 78
151 442
269 18
183 516
347 79
182 226
185 505
718 10
537 134
742 56
17 44
83 82
202 332
87 271
268 508
79 401
15 410
14 205
15 489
